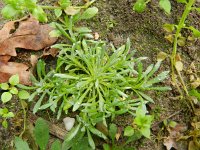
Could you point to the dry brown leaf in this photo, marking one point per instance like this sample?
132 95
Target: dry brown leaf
50 51
28 35
4 59
192 146
174 134
11 68
34 60
161 56
170 143
179 66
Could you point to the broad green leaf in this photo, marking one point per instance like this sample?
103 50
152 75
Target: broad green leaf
20 144
169 27
5 124
58 12
64 3
4 86
3 111
165 5
41 133
72 10
23 94
128 131
139 6
89 13
90 140
145 132
56 145
8 115
14 80
13 90
172 124
6 96
9 11
39 13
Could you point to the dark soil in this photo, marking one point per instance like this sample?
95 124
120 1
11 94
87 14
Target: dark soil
115 23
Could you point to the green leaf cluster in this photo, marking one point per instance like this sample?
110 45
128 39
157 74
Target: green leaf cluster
8 90
140 5
41 137
18 7
97 80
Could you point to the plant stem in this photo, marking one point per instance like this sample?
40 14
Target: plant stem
49 7
181 24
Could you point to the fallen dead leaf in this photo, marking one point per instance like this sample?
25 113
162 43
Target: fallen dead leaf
34 60
50 51
174 135
11 68
179 66
29 35
25 33
170 143
5 59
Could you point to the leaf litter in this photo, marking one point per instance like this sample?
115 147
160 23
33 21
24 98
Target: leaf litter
27 34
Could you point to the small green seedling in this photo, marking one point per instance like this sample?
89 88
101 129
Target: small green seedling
9 89
5 114
140 5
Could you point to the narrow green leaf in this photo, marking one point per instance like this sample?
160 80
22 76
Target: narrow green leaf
90 140
89 13
41 133
72 133
38 104
196 32
97 132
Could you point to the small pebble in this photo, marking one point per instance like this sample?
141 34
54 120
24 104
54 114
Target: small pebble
69 123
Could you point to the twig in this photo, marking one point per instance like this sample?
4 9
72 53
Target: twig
53 129
175 113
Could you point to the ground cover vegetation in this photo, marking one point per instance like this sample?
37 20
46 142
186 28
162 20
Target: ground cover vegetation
94 80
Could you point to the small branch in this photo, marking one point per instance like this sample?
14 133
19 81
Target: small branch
157 123
53 129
